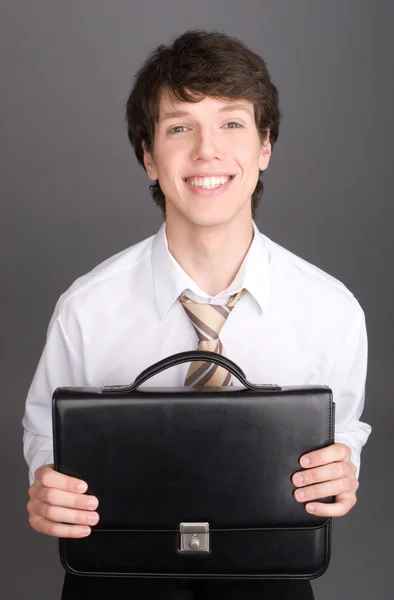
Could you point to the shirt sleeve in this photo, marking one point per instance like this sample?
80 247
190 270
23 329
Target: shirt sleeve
59 366
348 385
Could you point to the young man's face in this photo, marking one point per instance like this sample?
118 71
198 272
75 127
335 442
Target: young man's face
209 139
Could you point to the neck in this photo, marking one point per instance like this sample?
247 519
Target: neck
211 256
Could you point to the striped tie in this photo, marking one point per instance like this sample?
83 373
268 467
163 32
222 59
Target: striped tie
208 320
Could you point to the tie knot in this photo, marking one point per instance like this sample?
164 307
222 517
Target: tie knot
208 319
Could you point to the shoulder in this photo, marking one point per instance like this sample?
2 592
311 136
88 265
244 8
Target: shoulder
103 280
311 288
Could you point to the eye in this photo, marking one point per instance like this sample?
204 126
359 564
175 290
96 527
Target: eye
172 131
234 123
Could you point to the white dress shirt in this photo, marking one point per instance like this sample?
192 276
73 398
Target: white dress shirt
296 325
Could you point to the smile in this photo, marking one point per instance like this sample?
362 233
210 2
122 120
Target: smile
208 183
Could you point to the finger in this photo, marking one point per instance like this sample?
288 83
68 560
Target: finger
67 499
323 456
48 477
327 488
335 470
60 530
342 505
66 515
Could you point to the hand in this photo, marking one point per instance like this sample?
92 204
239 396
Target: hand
58 505
329 472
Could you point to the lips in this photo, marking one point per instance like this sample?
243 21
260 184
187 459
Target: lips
196 176
207 192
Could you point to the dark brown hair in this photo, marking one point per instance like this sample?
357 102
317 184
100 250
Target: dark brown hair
196 65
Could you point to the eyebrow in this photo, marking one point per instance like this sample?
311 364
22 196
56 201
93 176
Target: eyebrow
184 113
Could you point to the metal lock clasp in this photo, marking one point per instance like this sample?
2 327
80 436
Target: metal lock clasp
194 537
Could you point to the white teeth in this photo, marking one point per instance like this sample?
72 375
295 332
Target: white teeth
208 182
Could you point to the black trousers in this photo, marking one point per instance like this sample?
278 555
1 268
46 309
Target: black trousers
97 588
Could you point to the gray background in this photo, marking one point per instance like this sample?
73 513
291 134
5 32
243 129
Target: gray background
72 194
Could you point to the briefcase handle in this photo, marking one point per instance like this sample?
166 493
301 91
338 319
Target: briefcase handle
182 357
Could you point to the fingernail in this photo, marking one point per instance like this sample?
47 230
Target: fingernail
305 461
300 495
298 479
82 487
92 519
85 531
92 504
310 507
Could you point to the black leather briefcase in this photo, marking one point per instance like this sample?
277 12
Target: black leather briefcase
194 483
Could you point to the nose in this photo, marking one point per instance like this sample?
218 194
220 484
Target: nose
207 146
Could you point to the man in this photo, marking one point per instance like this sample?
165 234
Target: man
203 117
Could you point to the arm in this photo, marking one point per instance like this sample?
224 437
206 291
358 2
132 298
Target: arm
334 471
348 385
59 365
58 505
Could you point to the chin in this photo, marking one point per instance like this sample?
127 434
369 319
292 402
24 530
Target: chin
202 214
208 220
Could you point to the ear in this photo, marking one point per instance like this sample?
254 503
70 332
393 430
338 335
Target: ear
265 152
149 164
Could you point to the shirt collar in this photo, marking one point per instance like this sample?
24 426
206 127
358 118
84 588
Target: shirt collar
170 280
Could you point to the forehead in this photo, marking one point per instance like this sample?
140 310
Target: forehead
170 108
